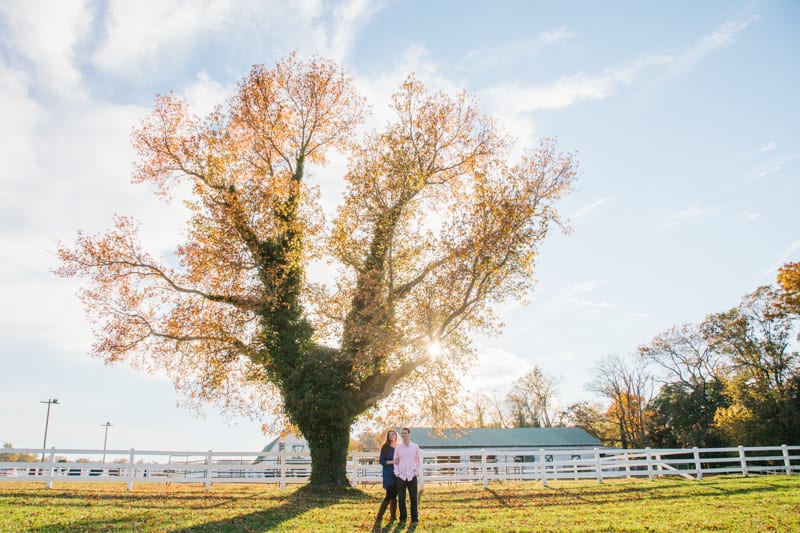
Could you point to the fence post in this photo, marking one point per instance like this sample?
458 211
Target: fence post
598 468
627 459
282 459
649 463
131 469
421 477
208 471
698 467
483 469
356 461
575 465
50 471
743 460
787 462
544 470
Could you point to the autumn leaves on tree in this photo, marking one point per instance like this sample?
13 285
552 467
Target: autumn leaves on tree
434 229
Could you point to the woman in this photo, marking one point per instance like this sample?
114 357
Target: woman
387 461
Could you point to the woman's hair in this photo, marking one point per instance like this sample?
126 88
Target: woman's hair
386 443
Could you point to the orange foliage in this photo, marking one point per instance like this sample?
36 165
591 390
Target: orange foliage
435 228
789 285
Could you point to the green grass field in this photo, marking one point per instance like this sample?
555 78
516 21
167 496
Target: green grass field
752 504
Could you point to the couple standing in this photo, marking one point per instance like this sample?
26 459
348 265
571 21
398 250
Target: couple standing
402 463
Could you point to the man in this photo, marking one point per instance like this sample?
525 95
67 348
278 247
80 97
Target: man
407 466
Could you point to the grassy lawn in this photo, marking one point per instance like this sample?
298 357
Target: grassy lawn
769 503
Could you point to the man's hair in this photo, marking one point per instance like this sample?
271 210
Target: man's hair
406 429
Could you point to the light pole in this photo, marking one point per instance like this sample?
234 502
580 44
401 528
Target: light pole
47 423
105 439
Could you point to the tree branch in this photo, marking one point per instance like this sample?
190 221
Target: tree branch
379 385
240 302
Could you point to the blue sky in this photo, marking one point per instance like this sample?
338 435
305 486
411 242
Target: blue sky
684 116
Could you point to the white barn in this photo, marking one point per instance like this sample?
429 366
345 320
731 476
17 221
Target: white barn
508 445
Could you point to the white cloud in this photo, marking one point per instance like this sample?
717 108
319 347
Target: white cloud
685 215
66 165
22 117
512 99
46 34
582 287
558 35
722 37
789 254
495 370
575 296
509 53
754 153
789 251
498 369
749 215
81 178
45 308
204 94
512 102
766 148
773 165
147 30
348 18
149 34
584 211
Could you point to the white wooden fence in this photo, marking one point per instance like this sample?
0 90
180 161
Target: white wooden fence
464 465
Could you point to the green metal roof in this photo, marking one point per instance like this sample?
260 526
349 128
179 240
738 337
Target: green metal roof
502 438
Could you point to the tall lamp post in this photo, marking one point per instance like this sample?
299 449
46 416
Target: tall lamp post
105 439
47 423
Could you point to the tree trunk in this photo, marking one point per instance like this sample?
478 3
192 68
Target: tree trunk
319 401
329 455
325 424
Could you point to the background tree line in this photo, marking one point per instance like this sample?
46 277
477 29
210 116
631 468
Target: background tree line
15 457
733 379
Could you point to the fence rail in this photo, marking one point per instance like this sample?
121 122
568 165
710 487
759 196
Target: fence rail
460 465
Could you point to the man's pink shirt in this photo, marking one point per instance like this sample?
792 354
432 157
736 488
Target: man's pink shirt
407 461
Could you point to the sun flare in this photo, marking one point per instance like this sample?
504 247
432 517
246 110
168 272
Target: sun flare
434 349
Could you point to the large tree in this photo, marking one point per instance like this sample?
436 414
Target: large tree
592 418
629 385
684 416
789 287
435 227
762 389
531 400
683 412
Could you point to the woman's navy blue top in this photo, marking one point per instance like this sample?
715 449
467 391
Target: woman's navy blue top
387 454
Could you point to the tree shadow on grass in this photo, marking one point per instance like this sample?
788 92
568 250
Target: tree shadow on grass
500 499
127 523
294 504
662 490
301 501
